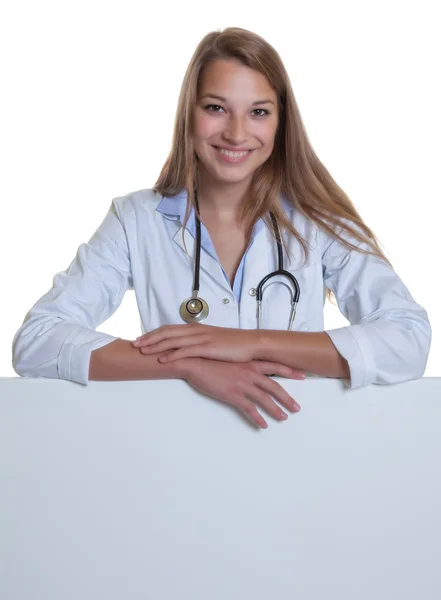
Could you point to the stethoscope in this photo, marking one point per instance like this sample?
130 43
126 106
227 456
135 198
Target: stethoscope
195 309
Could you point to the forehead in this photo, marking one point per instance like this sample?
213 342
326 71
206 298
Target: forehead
230 77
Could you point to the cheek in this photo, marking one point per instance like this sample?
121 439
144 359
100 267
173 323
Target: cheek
271 140
268 143
204 128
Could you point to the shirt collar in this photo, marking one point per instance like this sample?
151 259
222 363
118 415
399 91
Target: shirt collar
174 206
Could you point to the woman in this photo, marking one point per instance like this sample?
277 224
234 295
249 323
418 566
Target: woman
242 169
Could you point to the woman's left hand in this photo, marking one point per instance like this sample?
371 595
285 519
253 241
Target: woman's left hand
202 341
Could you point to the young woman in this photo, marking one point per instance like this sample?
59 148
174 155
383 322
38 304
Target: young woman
241 196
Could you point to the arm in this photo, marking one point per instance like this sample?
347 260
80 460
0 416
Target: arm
313 352
59 333
120 361
389 335
241 385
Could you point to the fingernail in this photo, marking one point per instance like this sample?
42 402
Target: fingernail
136 343
283 415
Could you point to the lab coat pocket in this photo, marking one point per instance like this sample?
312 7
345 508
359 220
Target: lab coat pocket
278 295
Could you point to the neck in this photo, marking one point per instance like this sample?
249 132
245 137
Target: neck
222 203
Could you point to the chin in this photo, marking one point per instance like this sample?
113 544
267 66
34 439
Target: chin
234 174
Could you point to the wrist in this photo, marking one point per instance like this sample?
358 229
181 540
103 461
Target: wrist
261 345
183 367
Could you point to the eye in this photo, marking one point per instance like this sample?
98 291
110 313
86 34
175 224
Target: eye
212 105
266 112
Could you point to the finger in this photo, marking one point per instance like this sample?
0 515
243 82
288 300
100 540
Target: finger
263 399
159 331
248 408
165 332
174 342
196 351
273 369
278 393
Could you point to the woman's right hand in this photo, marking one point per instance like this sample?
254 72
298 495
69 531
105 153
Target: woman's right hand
242 385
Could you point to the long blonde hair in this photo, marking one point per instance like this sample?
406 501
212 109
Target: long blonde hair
293 169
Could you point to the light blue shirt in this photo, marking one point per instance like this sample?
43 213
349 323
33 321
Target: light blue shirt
175 207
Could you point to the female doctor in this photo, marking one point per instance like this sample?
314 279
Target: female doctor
230 256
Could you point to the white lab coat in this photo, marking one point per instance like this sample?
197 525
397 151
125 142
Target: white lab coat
137 247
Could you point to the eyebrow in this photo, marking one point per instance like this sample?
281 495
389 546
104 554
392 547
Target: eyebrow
225 100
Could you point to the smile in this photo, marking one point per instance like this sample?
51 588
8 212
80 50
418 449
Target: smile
232 157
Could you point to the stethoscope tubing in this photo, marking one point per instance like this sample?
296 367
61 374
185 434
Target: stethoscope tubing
196 309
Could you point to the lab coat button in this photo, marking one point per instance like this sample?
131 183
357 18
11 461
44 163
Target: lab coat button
252 292
226 301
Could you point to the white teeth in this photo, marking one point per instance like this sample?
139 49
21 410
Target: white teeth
232 154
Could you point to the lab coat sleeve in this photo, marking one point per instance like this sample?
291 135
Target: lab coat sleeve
58 334
389 336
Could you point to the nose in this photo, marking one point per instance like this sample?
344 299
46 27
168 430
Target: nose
235 131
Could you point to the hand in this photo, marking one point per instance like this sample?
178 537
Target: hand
242 384
198 340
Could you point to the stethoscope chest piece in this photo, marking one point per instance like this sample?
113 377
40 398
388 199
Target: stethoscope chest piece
194 309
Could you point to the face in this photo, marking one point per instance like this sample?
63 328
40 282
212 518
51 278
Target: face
245 119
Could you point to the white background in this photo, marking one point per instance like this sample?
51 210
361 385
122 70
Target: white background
89 93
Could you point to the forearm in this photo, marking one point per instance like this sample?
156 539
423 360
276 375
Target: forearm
120 361
313 352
